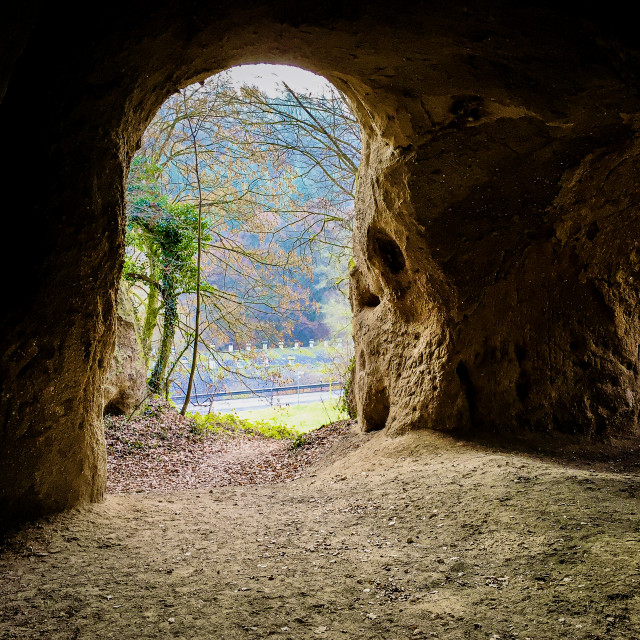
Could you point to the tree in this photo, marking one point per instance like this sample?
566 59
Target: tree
163 233
321 138
193 129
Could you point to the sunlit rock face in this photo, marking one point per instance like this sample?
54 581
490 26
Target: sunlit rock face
125 387
495 285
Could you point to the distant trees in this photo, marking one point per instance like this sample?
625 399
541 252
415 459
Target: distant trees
320 137
233 200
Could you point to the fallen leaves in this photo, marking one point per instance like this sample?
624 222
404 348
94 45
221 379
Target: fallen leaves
160 451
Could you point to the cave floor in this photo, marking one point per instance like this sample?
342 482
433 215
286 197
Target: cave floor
421 536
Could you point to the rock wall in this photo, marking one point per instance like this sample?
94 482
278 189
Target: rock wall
495 227
526 320
125 387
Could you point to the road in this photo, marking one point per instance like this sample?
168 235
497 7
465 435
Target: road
260 402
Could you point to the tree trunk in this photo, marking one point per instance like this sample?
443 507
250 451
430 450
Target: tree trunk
150 318
170 321
196 329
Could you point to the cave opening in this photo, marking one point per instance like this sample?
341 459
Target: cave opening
496 146
240 203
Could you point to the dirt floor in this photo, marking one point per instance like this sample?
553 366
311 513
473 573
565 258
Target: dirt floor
422 536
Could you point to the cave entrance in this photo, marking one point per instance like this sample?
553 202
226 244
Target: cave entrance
494 142
56 458
240 203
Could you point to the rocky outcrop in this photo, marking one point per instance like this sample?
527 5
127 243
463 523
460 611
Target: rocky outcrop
498 266
125 387
496 216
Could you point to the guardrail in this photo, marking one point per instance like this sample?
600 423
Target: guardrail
198 398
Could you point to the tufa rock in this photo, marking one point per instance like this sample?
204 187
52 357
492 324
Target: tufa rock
126 383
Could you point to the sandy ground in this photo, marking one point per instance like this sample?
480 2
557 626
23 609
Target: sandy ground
419 537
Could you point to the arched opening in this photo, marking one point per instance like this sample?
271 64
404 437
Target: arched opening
84 341
239 232
234 297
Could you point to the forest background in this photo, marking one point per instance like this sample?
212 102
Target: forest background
239 209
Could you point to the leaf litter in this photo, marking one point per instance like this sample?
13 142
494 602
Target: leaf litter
161 450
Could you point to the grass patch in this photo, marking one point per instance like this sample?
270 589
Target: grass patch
283 421
232 424
301 418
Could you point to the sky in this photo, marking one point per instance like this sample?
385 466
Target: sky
268 78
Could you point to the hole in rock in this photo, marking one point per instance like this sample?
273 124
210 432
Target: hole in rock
468 389
378 410
383 248
113 408
369 299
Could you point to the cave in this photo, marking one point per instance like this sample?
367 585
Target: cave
496 216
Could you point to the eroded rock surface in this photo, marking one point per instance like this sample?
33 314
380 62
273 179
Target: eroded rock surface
497 272
126 384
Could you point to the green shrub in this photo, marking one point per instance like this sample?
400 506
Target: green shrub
299 441
232 424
